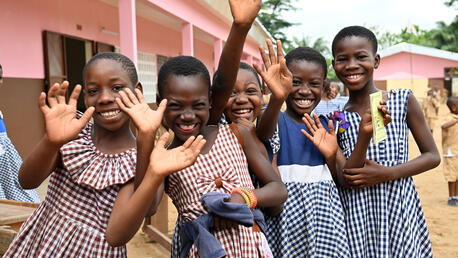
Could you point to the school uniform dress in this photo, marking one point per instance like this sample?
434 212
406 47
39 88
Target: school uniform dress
450 149
385 220
223 168
10 162
312 221
72 220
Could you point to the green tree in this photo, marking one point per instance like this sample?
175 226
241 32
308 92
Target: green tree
271 16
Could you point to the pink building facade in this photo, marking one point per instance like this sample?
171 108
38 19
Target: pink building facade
414 67
45 41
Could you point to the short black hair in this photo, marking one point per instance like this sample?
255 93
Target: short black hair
452 100
307 54
245 66
356 31
181 65
125 62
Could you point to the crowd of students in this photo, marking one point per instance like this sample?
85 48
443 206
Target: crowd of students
246 181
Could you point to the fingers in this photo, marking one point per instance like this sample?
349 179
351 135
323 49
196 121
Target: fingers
198 144
308 123
317 121
133 99
304 132
52 94
273 58
163 140
188 142
265 58
61 93
74 97
140 96
279 51
162 106
84 119
259 70
42 103
331 128
121 105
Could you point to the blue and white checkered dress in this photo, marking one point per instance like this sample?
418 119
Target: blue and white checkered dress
385 220
312 221
10 162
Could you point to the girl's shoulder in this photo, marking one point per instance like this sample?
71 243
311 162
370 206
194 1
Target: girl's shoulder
88 166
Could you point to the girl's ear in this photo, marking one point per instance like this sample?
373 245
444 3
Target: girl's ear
139 86
377 61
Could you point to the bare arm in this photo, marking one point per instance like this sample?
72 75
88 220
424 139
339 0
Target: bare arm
373 173
273 192
244 13
131 205
61 126
279 80
449 124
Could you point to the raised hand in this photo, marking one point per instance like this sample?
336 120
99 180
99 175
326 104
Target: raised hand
325 141
370 174
164 162
277 77
60 117
145 119
244 12
366 127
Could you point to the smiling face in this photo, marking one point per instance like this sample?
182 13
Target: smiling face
188 107
354 62
308 79
104 79
246 98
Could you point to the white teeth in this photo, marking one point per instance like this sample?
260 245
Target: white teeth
187 127
110 113
353 76
304 102
242 111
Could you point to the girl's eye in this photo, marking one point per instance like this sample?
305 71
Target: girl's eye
173 106
118 88
315 84
296 82
200 105
252 91
341 59
362 57
91 92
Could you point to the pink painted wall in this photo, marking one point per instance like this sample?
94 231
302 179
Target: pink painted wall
21 50
398 66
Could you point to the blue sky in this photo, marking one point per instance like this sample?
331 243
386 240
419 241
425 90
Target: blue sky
326 17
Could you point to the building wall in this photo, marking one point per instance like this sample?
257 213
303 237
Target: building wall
418 86
406 66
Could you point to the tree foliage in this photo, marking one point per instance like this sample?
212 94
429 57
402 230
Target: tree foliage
271 16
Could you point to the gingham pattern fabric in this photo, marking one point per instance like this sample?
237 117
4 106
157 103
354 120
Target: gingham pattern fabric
385 220
225 160
10 162
72 220
312 221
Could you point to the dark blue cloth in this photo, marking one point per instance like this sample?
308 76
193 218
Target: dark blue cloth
2 126
198 231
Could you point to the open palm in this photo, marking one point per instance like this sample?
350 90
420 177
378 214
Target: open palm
60 116
325 141
277 76
163 162
144 118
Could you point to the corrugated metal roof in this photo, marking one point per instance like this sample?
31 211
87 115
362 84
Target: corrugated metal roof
421 50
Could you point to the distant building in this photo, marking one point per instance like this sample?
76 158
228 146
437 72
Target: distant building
47 41
415 67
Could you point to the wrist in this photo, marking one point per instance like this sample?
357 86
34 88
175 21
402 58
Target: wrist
52 144
242 26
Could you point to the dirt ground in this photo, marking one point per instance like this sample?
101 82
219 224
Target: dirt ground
442 219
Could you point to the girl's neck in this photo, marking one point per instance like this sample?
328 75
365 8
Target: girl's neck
359 99
112 142
294 115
